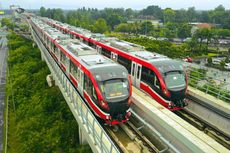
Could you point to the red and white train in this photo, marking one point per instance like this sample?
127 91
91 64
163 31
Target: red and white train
104 84
161 77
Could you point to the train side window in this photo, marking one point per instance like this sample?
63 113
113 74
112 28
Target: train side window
149 77
138 71
106 53
47 40
94 93
156 82
73 69
52 46
78 74
125 62
133 69
63 58
88 86
55 49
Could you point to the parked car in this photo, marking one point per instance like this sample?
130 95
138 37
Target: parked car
162 39
216 61
224 42
152 38
187 39
227 66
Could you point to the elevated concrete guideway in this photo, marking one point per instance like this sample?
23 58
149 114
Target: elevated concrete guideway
210 109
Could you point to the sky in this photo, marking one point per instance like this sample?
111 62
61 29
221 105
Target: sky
100 4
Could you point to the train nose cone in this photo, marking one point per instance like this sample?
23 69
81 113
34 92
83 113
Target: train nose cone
177 97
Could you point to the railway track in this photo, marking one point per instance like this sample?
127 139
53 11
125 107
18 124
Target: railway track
133 136
205 126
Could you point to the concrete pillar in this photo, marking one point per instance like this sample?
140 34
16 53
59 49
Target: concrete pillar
34 45
50 80
82 137
42 56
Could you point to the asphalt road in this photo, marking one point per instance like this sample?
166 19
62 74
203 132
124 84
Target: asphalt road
3 60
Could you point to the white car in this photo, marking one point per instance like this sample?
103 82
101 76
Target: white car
216 61
227 66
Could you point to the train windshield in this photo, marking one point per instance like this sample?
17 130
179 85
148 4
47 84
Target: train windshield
116 88
175 79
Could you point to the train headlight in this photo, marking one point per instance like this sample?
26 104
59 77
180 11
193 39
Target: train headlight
129 101
104 105
128 114
166 92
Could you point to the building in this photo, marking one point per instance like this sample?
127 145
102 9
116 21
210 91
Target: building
199 25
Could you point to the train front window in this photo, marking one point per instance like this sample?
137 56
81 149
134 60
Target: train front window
116 88
175 79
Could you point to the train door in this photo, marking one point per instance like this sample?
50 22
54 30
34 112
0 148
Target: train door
81 81
114 56
136 74
98 48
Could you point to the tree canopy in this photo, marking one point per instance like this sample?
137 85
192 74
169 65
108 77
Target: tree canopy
40 120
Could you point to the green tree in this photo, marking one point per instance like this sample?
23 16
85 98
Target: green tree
129 13
114 19
42 11
227 60
169 15
40 120
171 29
153 10
210 60
184 30
7 22
146 27
123 27
222 64
58 15
193 46
180 16
204 17
204 34
191 14
100 26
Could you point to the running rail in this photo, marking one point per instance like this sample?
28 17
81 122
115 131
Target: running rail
95 135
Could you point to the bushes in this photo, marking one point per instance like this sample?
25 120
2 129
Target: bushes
42 119
161 47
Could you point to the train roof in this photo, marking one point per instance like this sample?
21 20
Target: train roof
161 62
94 62
77 48
102 67
134 49
149 56
82 31
126 46
89 56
